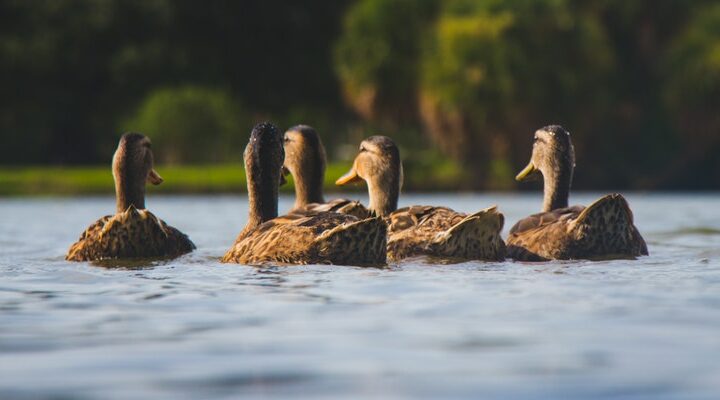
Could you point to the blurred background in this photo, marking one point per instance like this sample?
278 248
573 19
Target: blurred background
461 85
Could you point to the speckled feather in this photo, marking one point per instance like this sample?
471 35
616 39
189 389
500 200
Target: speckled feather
602 230
130 234
313 238
342 206
442 232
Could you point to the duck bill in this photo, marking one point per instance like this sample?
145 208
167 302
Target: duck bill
284 172
350 177
526 173
154 177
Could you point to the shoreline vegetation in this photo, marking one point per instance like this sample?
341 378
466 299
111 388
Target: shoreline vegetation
451 81
229 178
210 178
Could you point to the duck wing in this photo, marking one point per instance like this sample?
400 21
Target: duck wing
443 232
476 237
546 218
427 218
606 227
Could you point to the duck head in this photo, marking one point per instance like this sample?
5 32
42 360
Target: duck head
553 158
305 160
378 164
132 169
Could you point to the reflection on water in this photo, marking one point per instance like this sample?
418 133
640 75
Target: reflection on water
195 328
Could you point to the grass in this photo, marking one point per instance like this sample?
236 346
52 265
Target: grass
88 180
222 178
218 178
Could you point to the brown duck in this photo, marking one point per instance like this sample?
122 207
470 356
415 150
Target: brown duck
305 160
310 238
133 232
421 230
604 229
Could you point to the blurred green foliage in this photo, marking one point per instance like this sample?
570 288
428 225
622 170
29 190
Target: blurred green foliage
72 72
460 84
489 72
203 178
191 124
692 92
635 82
99 180
376 57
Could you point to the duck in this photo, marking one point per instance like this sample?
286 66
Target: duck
305 160
432 231
133 231
310 238
602 230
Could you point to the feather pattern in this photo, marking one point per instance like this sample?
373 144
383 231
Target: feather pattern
319 238
342 206
442 232
130 234
604 229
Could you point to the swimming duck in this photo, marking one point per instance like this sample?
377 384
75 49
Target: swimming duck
602 230
133 232
312 238
305 160
421 230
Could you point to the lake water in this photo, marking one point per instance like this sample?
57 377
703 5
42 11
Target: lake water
195 328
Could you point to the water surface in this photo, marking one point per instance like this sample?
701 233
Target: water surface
195 328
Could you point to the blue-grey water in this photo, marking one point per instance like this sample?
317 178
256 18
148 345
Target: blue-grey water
195 328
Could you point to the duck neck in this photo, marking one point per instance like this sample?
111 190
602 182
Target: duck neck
262 198
308 186
383 199
556 188
129 189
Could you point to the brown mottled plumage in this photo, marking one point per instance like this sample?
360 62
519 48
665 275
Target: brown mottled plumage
602 230
422 230
341 206
132 232
305 160
442 232
308 238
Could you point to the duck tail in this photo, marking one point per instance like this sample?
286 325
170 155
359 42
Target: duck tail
610 221
361 242
477 236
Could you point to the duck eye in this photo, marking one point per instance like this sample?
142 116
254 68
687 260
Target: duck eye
362 149
286 139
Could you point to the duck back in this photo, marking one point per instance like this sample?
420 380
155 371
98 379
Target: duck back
313 238
130 234
603 230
